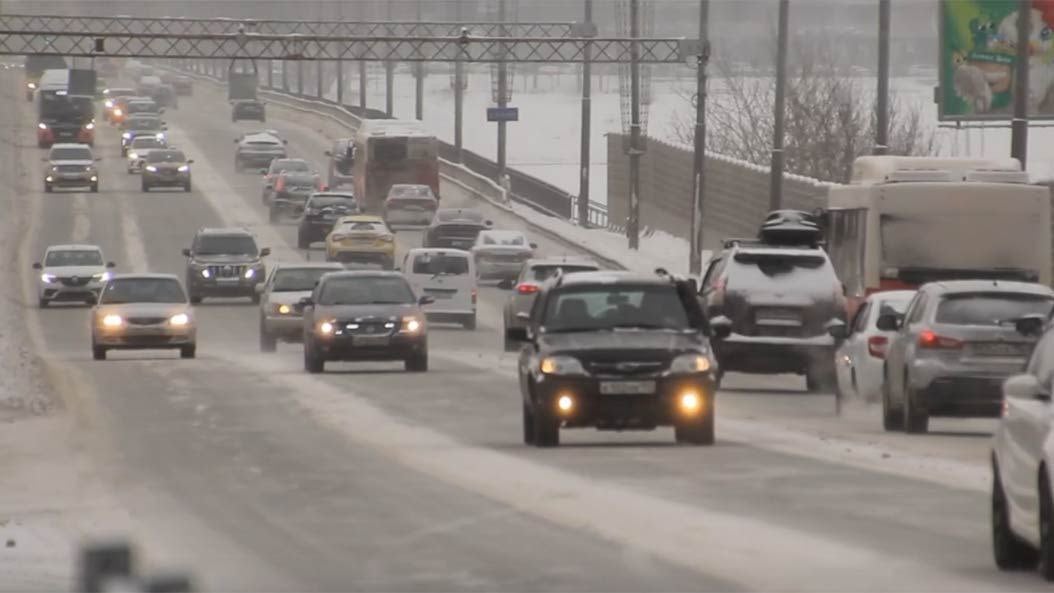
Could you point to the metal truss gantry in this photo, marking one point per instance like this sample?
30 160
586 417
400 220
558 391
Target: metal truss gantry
466 47
227 26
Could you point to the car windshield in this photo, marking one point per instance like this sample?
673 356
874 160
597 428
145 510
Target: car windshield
144 123
326 201
992 308
73 257
510 239
136 107
609 307
541 273
147 142
283 166
363 226
166 156
71 154
366 290
447 215
298 279
439 264
226 245
142 290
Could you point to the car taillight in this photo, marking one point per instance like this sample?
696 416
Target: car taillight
928 339
281 184
338 237
876 346
475 295
525 288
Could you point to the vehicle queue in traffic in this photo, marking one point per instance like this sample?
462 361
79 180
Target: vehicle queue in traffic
818 295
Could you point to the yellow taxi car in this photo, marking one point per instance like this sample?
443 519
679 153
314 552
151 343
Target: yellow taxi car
361 238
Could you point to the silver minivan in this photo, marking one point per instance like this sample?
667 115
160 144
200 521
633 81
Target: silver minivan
449 277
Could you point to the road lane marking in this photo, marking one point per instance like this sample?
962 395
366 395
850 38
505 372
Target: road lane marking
81 221
134 246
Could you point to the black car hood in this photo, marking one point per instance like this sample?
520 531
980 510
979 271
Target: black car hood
628 340
353 312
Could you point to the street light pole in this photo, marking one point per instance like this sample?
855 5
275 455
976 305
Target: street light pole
695 258
882 104
587 93
419 83
389 76
633 227
459 94
776 172
502 92
1019 125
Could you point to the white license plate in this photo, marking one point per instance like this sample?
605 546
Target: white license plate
371 340
627 387
998 349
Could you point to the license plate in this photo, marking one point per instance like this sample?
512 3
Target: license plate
227 280
440 295
627 387
778 314
371 340
999 349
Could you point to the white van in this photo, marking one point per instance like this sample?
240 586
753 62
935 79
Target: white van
448 276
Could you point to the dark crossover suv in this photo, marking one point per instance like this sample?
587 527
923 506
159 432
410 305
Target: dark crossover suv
781 297
616 351
166 168
455 228
321 212
224 263
362 316
248 109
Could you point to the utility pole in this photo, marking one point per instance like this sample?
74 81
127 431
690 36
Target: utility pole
1019 125
340 63
633 227
503 83
695 259
389 76
776 174
459 94
419 74
587 94
882 104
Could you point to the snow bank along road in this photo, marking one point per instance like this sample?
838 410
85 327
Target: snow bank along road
257 476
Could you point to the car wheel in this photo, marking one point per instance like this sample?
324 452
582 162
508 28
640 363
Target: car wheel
546 428
302 240
188 351
698 432
469 322
312 362
916 421
1011 552
528 425
47 188
892 418
195 299
268 343
1046 527
95 188
42 303
417 363
98 352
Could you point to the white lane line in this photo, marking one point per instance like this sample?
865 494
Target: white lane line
81 220
134 246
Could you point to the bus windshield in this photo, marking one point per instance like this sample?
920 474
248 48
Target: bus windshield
61 107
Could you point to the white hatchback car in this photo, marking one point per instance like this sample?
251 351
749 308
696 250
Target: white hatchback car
449 277
71 273
858 361
1022 454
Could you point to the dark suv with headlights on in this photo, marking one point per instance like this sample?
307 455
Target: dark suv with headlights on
364 316
781 301
616 351
321 212
224 262
166 168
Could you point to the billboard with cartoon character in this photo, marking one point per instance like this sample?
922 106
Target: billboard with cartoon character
977 55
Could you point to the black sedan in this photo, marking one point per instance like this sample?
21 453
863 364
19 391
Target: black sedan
321 211
166 168
364 316
455 228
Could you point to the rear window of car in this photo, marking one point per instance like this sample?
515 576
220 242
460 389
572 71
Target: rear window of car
283 166
544 272
364 226
803 270
324 201
502 238
440 264
990 308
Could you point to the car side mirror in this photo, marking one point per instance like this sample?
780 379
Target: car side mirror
534 246
837 329
305 302
721 327
37 266
285 142
186 253
1025 387
110 264
236 140
1030 325
328 153
888 322
265 252
426 300
190 161
488 222
506 284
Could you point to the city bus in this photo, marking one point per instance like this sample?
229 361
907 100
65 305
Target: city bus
388 152
34 68
905 221
62 117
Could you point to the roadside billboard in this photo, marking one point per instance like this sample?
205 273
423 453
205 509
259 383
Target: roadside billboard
978 46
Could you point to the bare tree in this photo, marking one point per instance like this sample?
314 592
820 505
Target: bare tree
830 118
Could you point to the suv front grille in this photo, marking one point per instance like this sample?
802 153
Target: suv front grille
70 168
226 271
76 281
366 328
146 320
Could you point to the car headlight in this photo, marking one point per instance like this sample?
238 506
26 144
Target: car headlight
179 320
283 309
411 325
42 126
31 85
54 168
132 156
151 168
112 321
47 278
160 135
561 365
325 328
89 126
118 112
249 274
183 168
89 169
690 363
109 104
104 277
205 273
126 135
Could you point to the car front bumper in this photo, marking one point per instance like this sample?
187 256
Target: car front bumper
145 337
56 291
398 347
593 408
71 180
174 180
288 327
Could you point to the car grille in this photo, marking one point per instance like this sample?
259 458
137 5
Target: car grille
146 320
626 368
76 281
367 328
70 168
226 271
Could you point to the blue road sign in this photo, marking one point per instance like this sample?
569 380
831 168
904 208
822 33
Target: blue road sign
503 114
